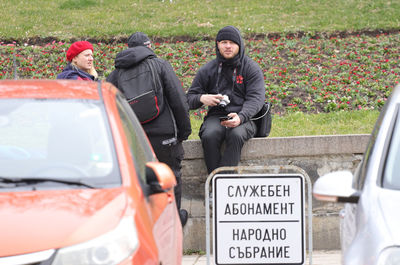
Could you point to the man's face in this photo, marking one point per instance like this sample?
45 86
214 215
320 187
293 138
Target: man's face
227 48
84 60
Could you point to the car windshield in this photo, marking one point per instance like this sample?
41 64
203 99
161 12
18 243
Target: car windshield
391 177
56 138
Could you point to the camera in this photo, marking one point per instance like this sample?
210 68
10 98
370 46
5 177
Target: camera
224 101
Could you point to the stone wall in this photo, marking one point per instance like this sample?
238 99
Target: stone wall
316 155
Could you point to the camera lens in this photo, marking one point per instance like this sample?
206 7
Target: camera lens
224 101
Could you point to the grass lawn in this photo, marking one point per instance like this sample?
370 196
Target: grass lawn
301 124
65 19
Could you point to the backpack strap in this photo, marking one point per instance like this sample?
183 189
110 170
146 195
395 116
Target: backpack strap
262 112
154 74
156 80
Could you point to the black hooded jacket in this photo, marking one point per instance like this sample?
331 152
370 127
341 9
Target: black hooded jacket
240 78
173 94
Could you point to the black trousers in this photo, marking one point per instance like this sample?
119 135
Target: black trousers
213 135
172 155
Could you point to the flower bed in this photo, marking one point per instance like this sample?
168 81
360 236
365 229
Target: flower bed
301 74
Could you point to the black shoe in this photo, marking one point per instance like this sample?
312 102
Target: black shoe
183 214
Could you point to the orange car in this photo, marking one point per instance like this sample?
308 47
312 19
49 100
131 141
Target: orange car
79 182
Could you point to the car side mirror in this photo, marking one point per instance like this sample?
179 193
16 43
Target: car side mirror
159 177
336 187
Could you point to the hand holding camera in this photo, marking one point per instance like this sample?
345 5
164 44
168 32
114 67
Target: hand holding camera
224 101
214 100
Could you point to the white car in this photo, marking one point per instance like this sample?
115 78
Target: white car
370 231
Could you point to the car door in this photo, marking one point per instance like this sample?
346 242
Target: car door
167 230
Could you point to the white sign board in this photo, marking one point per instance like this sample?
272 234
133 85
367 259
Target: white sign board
258 219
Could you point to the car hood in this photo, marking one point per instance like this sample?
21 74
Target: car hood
388 203
40 220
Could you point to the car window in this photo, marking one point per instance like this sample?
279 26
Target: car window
58 138
361 173
138 143
359 178
391 174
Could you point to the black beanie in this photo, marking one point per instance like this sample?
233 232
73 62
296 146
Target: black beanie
229 33
138 39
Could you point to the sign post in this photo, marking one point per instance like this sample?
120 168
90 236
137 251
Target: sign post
258 219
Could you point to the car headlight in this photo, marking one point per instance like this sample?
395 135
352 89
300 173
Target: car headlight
390 256
110 248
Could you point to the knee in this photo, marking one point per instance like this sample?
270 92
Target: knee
236 137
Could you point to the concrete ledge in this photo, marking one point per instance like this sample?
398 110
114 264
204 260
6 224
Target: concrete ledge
317 155
291 146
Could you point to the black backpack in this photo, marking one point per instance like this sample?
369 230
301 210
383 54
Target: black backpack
143 90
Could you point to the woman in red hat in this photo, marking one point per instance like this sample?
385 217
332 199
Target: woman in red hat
80 66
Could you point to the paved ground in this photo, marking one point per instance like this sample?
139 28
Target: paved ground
318 258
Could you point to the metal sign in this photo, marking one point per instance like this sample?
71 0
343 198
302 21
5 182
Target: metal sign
258 219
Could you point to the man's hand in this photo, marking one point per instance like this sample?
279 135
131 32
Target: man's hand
211 99
232 123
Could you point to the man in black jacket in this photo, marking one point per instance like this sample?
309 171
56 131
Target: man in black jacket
172 126
235 75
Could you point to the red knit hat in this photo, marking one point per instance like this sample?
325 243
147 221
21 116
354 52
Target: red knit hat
78 47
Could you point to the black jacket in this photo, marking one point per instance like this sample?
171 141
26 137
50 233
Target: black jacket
241 79
163 125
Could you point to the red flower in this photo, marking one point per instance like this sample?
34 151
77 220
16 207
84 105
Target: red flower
239 79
